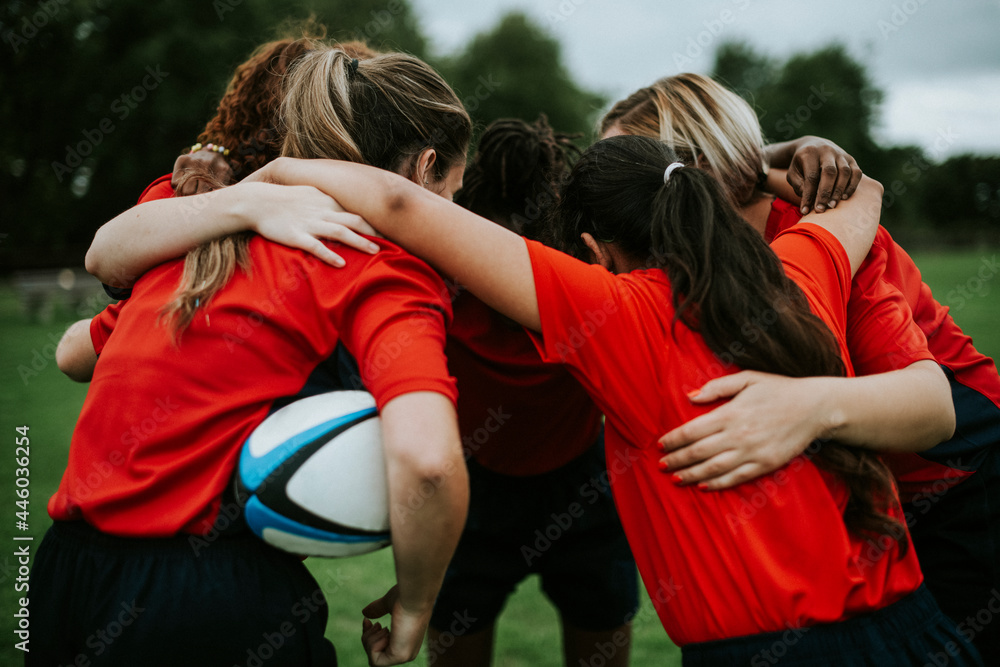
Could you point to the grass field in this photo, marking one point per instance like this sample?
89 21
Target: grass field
34 393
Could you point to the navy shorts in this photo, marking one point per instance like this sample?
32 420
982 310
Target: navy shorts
912 632
561 525
102 600
956 533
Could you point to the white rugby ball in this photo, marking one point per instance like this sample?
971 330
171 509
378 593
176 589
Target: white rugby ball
313 476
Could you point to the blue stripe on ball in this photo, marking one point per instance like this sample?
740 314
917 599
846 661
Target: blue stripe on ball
259 516
253 470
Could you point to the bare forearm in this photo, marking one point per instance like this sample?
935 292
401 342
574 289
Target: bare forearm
906 410
777 184
149 234
854 222
779 155
428 493
488 259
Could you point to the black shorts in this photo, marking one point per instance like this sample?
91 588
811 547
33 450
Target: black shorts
957 532
99 600
912 632
561 525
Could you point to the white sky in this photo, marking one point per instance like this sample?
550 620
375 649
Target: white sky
937 60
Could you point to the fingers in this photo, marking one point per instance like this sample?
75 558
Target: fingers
854 180
808 182
739 475
717 466
375 640
691 432
822 175
723 387
314 246
685 458
794 178
843 179
347 229
382 606
828 173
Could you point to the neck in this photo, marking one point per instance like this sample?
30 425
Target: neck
757 211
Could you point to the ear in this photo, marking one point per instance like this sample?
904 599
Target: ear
423 170
600 251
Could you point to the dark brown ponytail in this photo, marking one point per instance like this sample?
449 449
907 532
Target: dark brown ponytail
728 285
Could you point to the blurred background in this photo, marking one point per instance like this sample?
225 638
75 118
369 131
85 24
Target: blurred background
99 97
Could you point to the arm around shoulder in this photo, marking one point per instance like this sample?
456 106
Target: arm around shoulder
854 222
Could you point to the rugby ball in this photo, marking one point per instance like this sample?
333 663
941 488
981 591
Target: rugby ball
313 478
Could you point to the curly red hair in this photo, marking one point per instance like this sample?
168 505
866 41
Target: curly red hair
245 121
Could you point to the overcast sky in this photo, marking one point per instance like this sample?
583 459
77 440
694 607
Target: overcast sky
937 60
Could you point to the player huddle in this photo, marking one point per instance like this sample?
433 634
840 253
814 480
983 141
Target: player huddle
665 269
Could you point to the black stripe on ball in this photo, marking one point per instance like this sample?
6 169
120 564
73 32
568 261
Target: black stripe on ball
272 491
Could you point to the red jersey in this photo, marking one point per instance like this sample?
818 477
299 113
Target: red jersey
517 414
158 189
973 376
163 422
764 556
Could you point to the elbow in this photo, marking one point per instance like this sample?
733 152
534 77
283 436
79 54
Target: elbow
77 372
75 355
95 267
940 425
400 196
425 475
946 420
91 262
434 469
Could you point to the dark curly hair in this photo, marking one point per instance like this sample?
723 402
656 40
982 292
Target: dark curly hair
246 120
516 174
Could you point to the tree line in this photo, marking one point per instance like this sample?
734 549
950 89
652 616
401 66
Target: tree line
101 96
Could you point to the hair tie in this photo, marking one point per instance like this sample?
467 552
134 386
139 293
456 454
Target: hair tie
670 169
352 68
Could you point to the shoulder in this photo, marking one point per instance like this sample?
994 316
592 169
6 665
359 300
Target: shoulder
783 216
158 189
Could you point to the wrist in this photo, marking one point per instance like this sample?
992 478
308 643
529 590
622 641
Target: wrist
238 208
832 412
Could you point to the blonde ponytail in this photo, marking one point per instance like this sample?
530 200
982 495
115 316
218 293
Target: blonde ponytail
704 123
381 111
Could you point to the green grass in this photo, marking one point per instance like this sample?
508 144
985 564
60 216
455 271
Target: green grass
34 393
